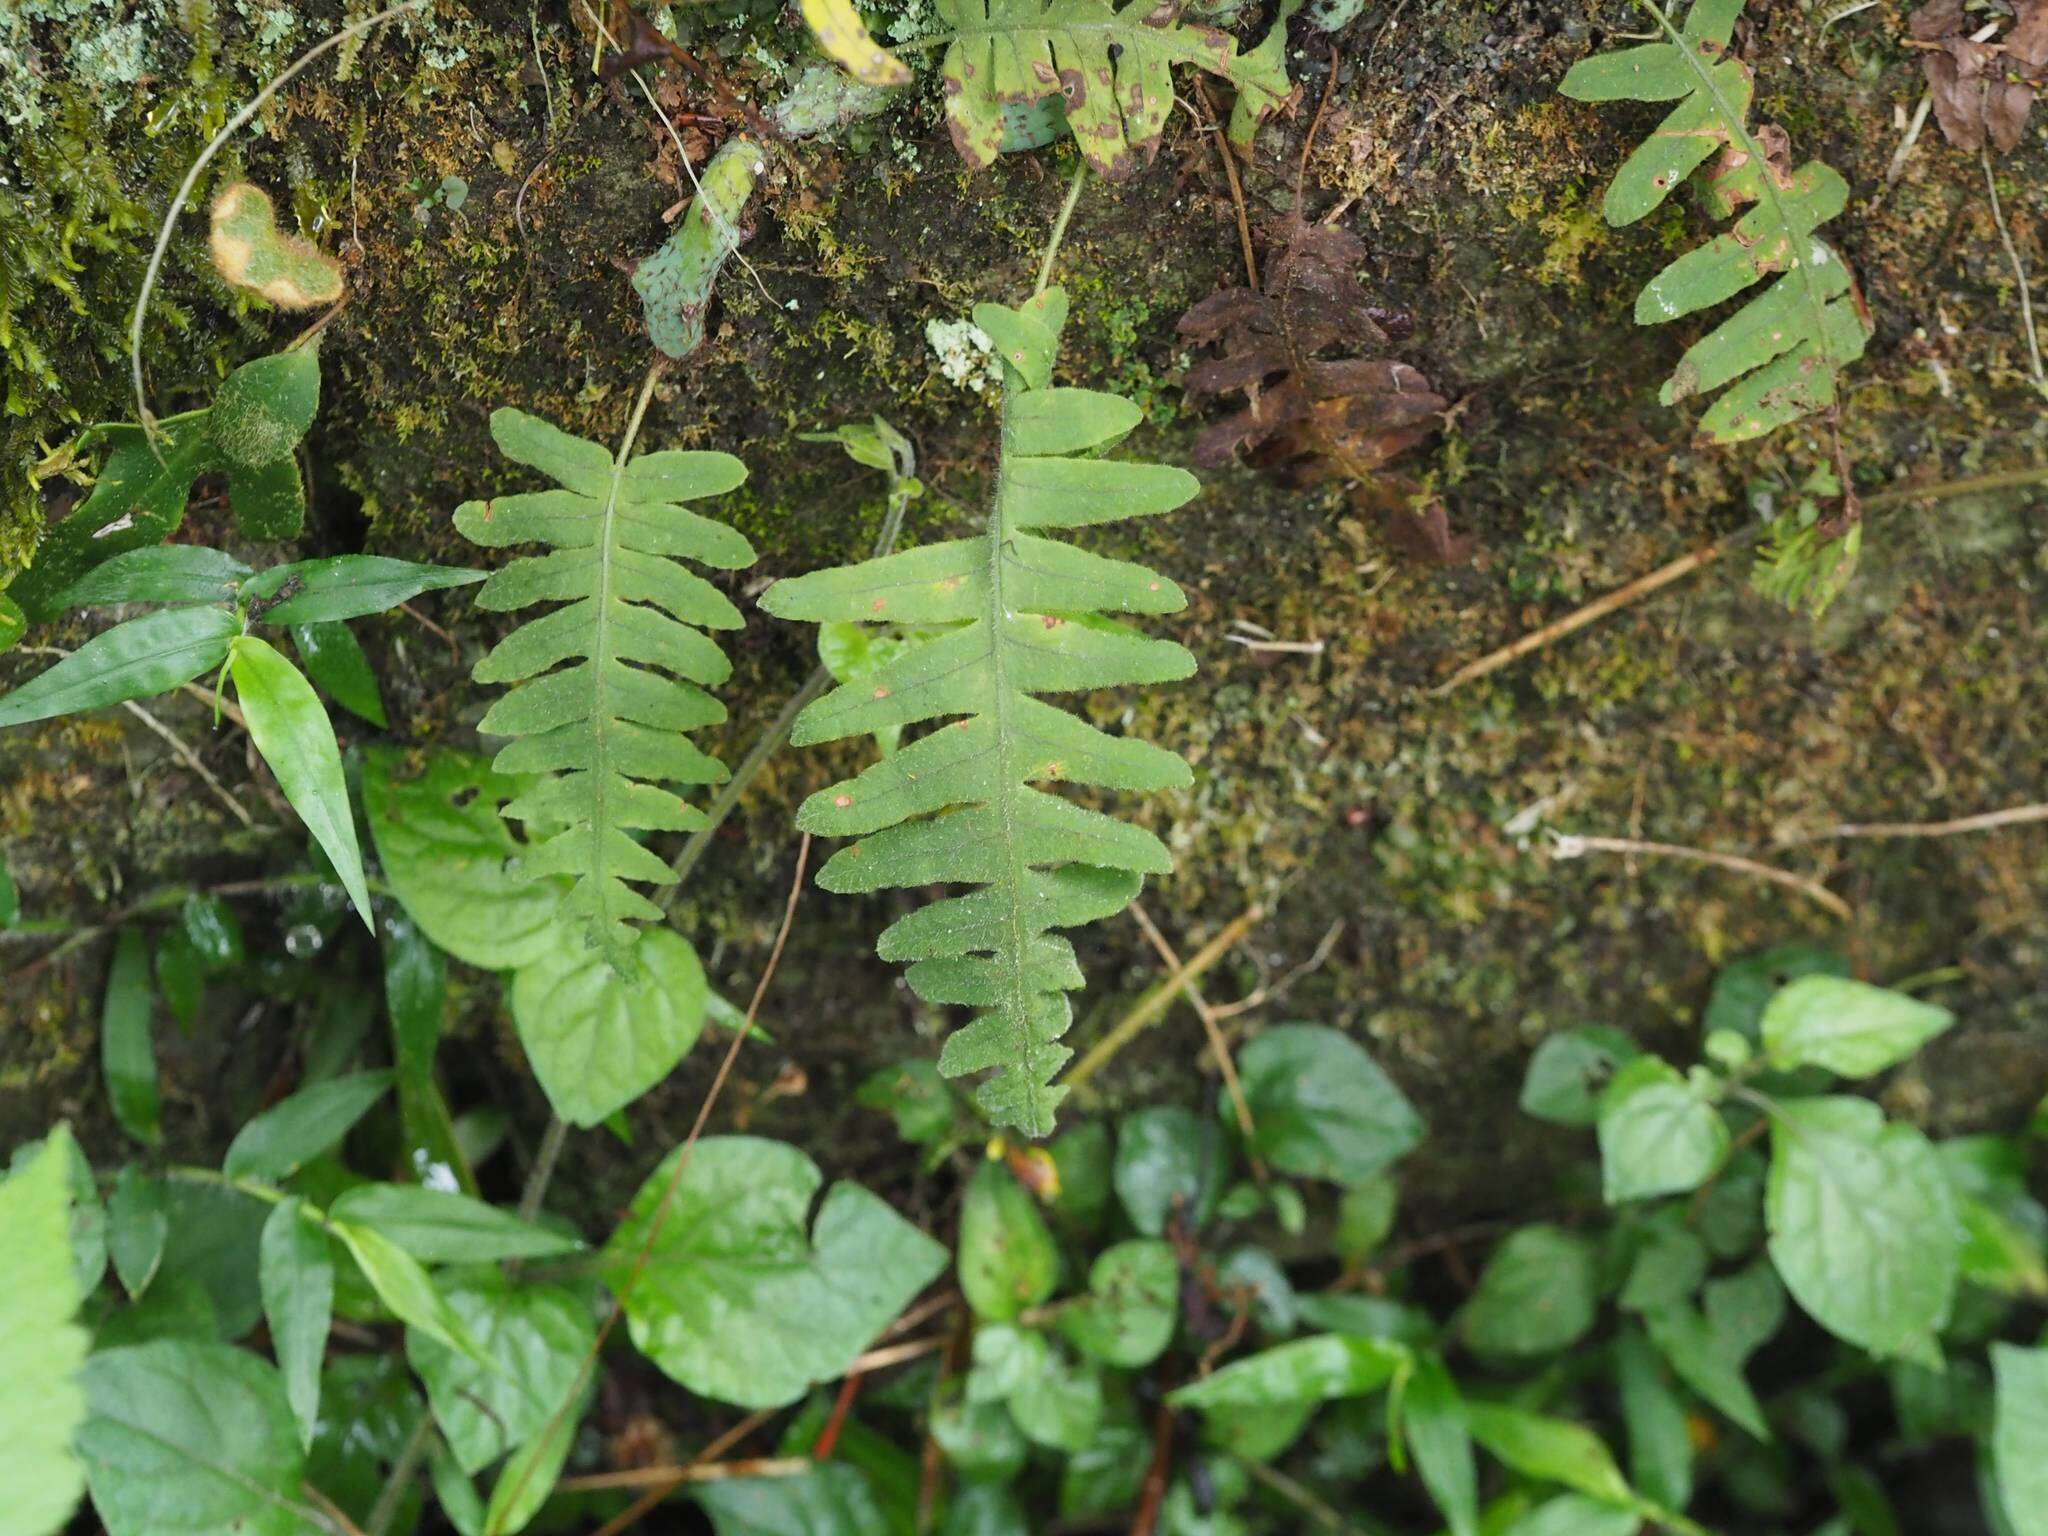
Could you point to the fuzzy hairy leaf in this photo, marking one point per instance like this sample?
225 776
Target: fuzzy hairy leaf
605 685
675 284
1783 352
961 805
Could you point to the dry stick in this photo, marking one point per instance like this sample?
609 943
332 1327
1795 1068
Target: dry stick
668 1194
2018 815
1309 140
632 1513
2019 273
1572 847
1685 565
1221 145
1212 1029
1154 1003
666 1478
233 126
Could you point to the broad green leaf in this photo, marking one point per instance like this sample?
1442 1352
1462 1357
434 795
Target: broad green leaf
193 1438
1133 1300
916 1096
441 1227
1573 1514
406 1288
127 1056
1103 1478
163 573
1059 1406
606 686
334 659
1660 1447
1116 66
1847 1027
134 660
212 1247
830 1499
1667 1265
1548 1449
250 251
529 1476
1007 1260
287 1136
1863 1224
1537 1295
1433 1419
452 862
1744 988
1658 1134
734 1300
598 1036
1005 1358
982 1509
263 409
675 284
137 1226
349 587
537 1336
292 732
1019 615
1365 1217
1321 1107
296 1273
981 1441
369 1409
456 1494
1169 1162
1303 1370
41 1345
1569 1072
2019 1436
1785 350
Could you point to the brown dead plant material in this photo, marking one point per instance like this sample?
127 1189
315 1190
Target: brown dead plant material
1982 89
1323 400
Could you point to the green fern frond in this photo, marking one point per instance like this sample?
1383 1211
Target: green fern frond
1784 351
606 685
1017 615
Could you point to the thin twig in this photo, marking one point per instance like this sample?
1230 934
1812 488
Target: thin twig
1258 997
1309 139
403 1470
1154 1003
1152 1492
1291 647
633 1512
1213 1030
896 1354
228 130
2019 273
544 1161
2018 815
1296 1494
1566 846
1059 228
1218 143
190 759
666 1478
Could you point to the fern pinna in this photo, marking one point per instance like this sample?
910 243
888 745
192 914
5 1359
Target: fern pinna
1792 340
961 805
606 685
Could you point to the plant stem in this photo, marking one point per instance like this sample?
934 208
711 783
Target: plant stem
403 1470
1155 1002
543 1168
1059 228
228 130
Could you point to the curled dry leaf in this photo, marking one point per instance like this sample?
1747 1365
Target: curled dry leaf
1315 414
1982 89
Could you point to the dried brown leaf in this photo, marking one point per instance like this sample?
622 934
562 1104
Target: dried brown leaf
1982 89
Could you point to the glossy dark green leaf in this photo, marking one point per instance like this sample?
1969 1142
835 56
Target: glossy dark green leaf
350 587
1659 1133
416 997
1169 1161
334 659
127 1056
1574 1514
290 1134
981 1441
1133 1300
1007 1260
296 1275
1321 1107
196 1438
452 861
1846 1027
41 1345
1537 1295
1660 1447
180 976
216 933
404 1286
830 1499
1302 1370
163 573
1060 1405
296 738
1548 1449
441 1227
1569 1072
790 1310
1433 1419
134 660
537 1337
138 1223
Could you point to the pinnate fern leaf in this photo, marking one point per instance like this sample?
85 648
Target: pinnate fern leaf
1007 614
605 686
1784 351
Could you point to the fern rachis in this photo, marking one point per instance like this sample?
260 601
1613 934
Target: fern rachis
961 805
605 686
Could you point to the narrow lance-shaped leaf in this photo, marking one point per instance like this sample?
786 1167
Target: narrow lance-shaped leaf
1021 615
1784 351
292 731
296 1274
334 659
134 660
126 1053
606 685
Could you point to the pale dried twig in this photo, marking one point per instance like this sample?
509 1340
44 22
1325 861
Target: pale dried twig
1567 846
1985 821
